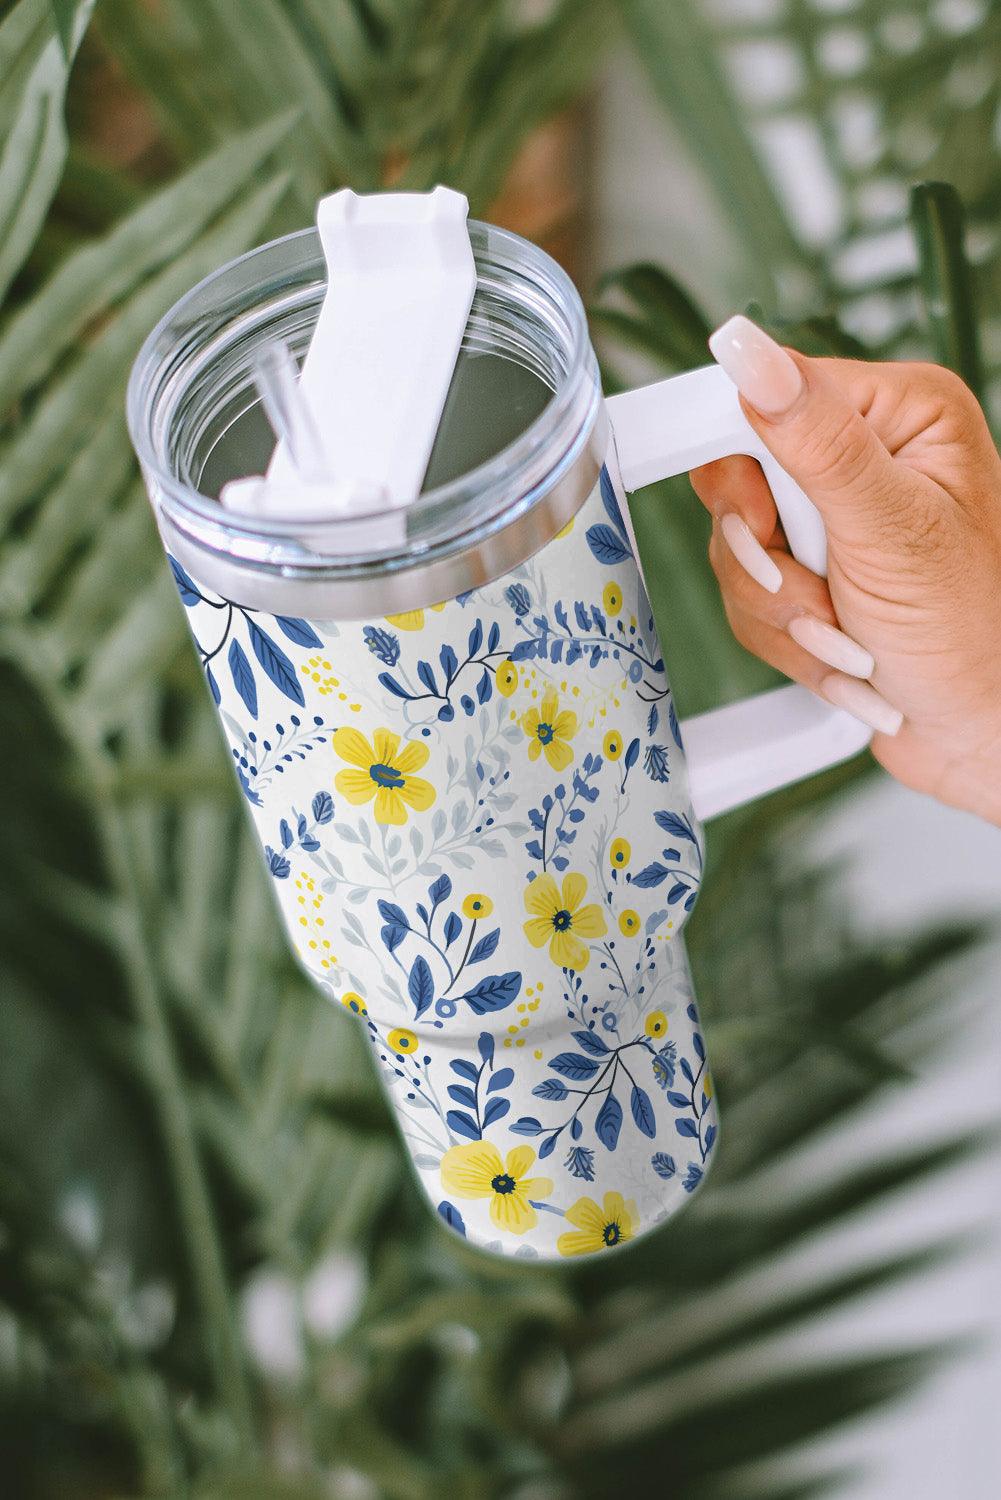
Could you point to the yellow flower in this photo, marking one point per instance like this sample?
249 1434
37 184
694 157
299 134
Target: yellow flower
558 918
629 922
402 1040
612 598
599 1228
619 854
612 745
385 772
507 678
476 1170
549 730
656 1024
411 619
476 906
354 1002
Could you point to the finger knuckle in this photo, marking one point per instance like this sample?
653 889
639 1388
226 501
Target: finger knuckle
837 452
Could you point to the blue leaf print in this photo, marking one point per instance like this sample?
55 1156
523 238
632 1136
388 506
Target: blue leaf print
656 763
580 1163
187 590
452 1216
591 1042
425 672
485 1046
461 1094
390 912
254 798
551 1088
243 677
642 1109
672 719
547 1147
213 685
277 863
493 993
610 502
286 834
453 926
574 1065
392 935
475 638
495 1110
439 891
493 639
298 630
664 1165
518 597
699 1046
462 1124
391 685
671 822
485 948
606 545
680 1101
323 807
692 1178
687 1127
275 663
465 1069
527 1125
609 1122
653 719
710 1136
501 1079
449 663
632 754
484 688
421 986
382 644
652 875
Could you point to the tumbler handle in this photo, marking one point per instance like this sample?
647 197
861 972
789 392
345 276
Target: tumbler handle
745 749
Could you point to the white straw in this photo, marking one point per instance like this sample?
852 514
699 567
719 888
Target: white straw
277 380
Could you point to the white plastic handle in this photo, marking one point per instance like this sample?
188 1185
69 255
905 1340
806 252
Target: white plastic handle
745 749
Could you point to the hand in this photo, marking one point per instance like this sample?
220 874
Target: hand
900 463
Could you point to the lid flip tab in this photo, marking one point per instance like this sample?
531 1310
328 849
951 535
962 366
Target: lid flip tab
400 283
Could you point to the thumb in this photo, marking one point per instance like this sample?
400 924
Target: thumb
813 428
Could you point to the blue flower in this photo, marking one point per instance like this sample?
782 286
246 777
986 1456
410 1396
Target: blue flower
655 763
693 1177
518 597
665 1064
383 644
580 1162
277 863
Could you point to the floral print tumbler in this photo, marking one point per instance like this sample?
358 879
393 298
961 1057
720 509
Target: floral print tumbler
461 753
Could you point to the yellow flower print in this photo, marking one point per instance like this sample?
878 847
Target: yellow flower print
383 771
629 922
549 731
353 1001
476 1170
618 854
599 1228
506 678
411 619
612 745
612 598
401 1040
476 907
656 1024
558 918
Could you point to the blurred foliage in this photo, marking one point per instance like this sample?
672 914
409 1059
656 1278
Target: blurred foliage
216 1278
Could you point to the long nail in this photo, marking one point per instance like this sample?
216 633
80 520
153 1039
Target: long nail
749 552
862 700
762 371
830 645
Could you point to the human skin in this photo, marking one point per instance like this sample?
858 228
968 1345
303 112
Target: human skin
905 632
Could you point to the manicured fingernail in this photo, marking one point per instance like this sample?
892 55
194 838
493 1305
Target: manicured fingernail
862 700
760 368
831 645
749 552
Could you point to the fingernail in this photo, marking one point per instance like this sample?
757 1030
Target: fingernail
831 645
749 552
760 368
862 700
